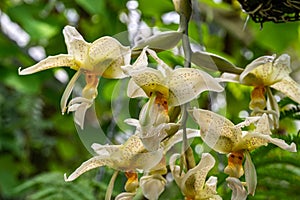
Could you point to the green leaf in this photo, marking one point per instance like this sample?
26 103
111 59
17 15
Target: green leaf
214 62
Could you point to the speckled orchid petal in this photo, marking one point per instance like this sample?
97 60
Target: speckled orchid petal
238 190
209 191
130 156
106 56
250 174
76 45
149 80
217 132
92 163
68 91
249 75
50 62
201 170
186 84
265 71
192 184
289 87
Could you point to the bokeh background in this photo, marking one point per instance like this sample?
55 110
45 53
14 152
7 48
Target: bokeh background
38 144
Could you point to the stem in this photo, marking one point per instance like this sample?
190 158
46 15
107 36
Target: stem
111 186
187 64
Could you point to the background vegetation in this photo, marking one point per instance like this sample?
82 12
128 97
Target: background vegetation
38 144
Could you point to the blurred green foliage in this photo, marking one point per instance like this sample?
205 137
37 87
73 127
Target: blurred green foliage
38 144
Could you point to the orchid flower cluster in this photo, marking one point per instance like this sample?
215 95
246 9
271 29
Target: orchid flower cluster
143 157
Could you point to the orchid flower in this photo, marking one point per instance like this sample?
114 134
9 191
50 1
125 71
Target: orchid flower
172 87
192 183
264 73
130 156
224 137
152 126
103 57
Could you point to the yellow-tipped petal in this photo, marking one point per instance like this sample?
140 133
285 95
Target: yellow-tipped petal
289 87
186 84
50 62
76 45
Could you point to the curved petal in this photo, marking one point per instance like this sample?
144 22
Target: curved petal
105 150
150 80
257 70
250 174
254 140
217 132
175 169
134 91
107 52
281 67
125 196
80 111
201 170
186 84
50 62
92 163
167 70
210 190
289 87
238 190
67 92
76 45
152 185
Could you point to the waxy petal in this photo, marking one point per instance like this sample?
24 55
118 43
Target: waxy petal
68 91
134 91
217 132
130 156
254 140
92 163
201 170
186 84
238 190
76 45
289 87
50 62
250 174
149 80
193 182
125 196
248 76
152 185
265 71
108 55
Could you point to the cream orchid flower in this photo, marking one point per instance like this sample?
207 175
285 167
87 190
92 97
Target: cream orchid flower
130 156
224 137
267 72
152 126
103 57
172 87
192 183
